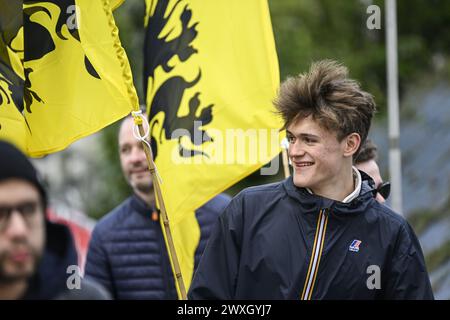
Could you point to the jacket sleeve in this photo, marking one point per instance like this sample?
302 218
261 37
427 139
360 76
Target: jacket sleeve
217 272
97 265
407 277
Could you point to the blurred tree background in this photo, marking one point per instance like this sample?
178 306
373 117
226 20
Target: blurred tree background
306 31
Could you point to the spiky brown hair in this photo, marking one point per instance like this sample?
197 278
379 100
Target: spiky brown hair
326 93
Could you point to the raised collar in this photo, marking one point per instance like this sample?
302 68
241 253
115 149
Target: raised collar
357 180
310 203
358 183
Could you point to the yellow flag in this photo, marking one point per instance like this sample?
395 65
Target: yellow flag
77 79
12 124
211 72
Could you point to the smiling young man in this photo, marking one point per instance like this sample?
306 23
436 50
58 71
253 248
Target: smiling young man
319 234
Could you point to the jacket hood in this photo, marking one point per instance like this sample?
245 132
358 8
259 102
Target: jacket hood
51 276
310 203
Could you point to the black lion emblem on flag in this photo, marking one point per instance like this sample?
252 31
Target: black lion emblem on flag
158 51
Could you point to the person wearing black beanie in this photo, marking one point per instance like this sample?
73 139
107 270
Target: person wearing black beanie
22 223
13 164
35 253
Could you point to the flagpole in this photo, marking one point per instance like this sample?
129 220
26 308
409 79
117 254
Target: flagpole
163 212
137 116
395 164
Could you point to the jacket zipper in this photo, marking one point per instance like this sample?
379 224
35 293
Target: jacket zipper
316 254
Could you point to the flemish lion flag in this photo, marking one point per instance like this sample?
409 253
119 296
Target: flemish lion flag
75 76
12 124
211 72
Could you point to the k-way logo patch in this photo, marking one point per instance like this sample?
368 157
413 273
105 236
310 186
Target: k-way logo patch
354 246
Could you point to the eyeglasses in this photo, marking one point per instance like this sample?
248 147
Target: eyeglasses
27 209
384 189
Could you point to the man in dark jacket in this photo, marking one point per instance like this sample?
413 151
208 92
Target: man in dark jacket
127 252
37 258
319 234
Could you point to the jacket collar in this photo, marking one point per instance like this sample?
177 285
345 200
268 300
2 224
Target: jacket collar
358 184
140 205
357 180
311 203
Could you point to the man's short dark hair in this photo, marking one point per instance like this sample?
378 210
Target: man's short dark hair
368 151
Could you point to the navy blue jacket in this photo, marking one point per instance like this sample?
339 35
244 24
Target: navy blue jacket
280 242
127 253
52 277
